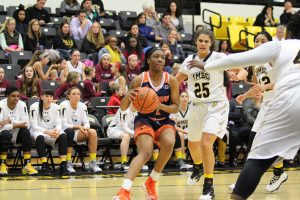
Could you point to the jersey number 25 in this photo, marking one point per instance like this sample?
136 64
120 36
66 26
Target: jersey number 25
202 90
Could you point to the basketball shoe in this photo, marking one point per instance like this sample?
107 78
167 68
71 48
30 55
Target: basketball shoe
28 169
207 192
123 194
276 182
196 175
149 188
3 169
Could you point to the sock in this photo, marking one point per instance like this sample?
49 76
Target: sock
208 180
155 155
154 175
178 154
69 156
124 159
27 157
198 163
278 169
63 159
209 176
127 183
43 160
183 156
92 156
3 158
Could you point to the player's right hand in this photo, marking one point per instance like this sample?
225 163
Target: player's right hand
132 94
240 99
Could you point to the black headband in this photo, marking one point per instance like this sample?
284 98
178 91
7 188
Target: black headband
150 51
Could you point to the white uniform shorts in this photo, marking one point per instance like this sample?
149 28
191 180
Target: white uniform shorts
260 117
115 133
209 117
48 140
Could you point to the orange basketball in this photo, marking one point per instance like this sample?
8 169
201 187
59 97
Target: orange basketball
146 100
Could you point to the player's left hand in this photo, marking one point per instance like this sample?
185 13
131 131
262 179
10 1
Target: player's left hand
197 64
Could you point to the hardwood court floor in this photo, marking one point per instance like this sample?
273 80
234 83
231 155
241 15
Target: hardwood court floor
103 187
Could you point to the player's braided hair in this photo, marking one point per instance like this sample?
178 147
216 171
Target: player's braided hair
294 26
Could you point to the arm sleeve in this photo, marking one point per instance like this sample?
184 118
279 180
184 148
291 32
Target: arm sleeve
25 115
3 42
85 119
65 117
20 43
267 52
58 121
34 120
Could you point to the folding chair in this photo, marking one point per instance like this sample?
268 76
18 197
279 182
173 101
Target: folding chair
11 71
49 85
20 57
107 24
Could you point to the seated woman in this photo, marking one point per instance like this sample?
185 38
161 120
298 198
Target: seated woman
46 128
132 68
69 5
63 41
145 30
29 85
62 70
4 84
172 42
134 47
39 60
113 50
74 64
93 42
35 39
134 32
72 81
89 89
119 79
176 16
115 99
21 23
103 69
265 18
75 117
10 38
151 15
169 56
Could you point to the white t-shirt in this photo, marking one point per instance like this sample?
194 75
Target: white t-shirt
51 118
205 86
72 116
78 68
264 76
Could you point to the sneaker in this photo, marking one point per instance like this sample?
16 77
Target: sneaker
63 171
220 165
92 166
149 189
231 187
45 169
183 166
125 166
3 169
123 194
276 182
195 176
207 193
70 167
28 169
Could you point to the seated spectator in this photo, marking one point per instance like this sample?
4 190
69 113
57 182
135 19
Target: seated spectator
35 39
89 89
63 41
265 18
93 42
103 69
172 41
80 25
62 70
280 33
176 16
21 21
10 38
145 30
53 75
119 79
224 47
287 13
74 64
134 47
134 32
91 14
69 5
132 68
122 127
72 81
113 50
39 60
29 85
99 7
4 84
38 12
152 19
169 56
162 30
115 99
183 84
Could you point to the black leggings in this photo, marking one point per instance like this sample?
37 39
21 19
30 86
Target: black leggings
70 136
41 145
177 144
250 177
23 138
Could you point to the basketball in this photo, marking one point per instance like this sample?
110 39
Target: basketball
146 100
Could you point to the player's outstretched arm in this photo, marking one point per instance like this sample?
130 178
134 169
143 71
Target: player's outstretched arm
135 83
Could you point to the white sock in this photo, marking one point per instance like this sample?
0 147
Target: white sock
127 183
154 175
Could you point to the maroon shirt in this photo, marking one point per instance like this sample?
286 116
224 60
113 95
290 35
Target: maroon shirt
61 90
19 84
3 86
89 90
132 73
140 60
103 74
114 100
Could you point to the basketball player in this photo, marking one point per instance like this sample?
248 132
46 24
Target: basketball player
209 109
264 82
46 128
75 117
278 136
16 131
152 128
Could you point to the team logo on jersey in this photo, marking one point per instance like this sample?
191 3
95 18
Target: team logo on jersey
74 118
201 75
166 87
46 119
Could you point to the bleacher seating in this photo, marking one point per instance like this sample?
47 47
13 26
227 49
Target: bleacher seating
108 24
3 18
11 71
250 38
20 57
126 18
2 11
271 30
220 33
10 10
3 58
234 37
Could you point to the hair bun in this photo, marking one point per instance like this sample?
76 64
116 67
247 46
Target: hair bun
21 7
